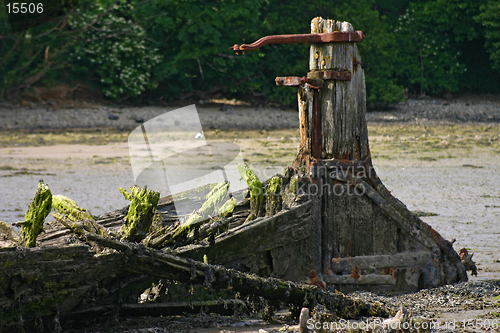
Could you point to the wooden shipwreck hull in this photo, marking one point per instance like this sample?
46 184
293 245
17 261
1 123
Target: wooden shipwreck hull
329 213
362 242
75 272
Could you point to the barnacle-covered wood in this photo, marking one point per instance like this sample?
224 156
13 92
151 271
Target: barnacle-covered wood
38 210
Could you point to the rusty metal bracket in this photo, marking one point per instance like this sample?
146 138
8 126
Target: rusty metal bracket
314 78
329 75
295 81
316 136
327 37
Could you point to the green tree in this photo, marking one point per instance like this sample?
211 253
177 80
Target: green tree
433 36
489 18
377 50
175 49
99 41
427 61
114 50
28 56
193 37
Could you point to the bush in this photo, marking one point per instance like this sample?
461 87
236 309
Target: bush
489 19
113 49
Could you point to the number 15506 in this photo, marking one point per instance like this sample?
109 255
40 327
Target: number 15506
24 8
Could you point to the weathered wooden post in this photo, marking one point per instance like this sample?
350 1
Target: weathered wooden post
334 138
332 115
369 239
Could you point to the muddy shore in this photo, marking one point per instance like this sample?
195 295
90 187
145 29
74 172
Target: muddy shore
52 116
439 157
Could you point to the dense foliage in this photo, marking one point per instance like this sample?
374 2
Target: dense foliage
152 50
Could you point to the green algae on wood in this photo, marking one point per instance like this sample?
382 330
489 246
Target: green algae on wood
196 193
37 212
207 230
273 195
214 199
227 208
69 207
212 206
140 214
290 190
256 190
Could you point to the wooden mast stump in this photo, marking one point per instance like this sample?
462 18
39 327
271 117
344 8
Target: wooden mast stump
341 212
335 210
338 130
360 219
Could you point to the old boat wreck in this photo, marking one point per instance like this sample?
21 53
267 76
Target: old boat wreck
328 212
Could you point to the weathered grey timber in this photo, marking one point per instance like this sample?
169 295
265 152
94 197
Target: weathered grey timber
285 245
342 103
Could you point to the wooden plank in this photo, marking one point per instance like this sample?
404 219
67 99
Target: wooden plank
329 230
314 56
339 216
362 221
327 94
398 260
368 279
347 222
384 232
261 234
305 114
405 226
295 260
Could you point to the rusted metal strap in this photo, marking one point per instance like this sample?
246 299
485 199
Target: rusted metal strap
317 137
327 37
329 75
295 81
315 78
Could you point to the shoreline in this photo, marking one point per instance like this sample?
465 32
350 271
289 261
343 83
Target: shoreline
45 117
